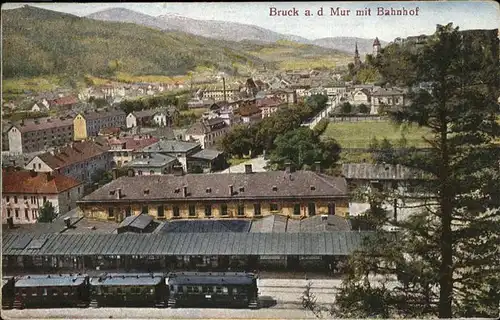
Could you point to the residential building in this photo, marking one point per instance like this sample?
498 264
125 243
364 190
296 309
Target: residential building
122 149
233 195
149 163
287 95
387 97
269 105
160 117
207 160
360 96
181 150
25 192
63 103
200 103
39 134
219 94
79 160
89 124
250 113
207 131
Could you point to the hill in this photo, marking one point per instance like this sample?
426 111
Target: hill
348 43
43 42
38 42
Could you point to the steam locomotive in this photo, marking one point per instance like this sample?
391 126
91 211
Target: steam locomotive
180 289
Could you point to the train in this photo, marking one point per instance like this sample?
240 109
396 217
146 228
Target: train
147 290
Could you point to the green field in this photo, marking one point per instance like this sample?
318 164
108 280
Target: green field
360 134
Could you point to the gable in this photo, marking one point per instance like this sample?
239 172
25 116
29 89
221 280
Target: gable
36 161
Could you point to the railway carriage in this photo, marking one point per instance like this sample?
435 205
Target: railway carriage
236 289
51 291
128 290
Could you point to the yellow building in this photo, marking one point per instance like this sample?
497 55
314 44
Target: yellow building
89 124
233 195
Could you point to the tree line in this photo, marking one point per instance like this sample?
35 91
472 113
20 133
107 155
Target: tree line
282 138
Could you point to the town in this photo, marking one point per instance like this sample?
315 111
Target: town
286 174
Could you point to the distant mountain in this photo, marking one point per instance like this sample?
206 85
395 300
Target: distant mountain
224 30
230 31
348 44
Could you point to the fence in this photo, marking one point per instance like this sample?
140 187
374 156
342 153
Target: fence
357 119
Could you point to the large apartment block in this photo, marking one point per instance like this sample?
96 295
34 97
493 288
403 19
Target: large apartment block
89 124
39 134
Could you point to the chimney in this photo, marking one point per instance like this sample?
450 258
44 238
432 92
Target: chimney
118 193
10 222
231 190
115 173
67 222
185 191
317 166
248 168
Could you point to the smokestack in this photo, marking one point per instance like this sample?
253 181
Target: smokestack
248 168
118 193
395 210
10 222
224 85
185 191
231 190
67 222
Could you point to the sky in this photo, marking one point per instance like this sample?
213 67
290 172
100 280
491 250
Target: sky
465 14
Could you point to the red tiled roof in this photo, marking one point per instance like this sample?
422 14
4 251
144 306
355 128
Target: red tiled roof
269 102
78 152
64 101
248 110
43 124
16 182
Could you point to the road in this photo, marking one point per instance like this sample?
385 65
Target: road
279 299
332 103
258 165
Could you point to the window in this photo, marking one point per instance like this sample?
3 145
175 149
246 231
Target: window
176 212
311 207
223 210
34 166
8 212
17 213
331 208
144 210
218 289
225 290
111 213
161 211
256 209
25 198
151 172
8 199
208 210
128 212
296 209
241 209
26 214
44 199
15 199
192 210
139 173
39 166
273 207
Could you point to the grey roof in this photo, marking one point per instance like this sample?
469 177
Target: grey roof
257 185
104 114
216 243
320 223
171 146
367 171
156 160
163 132
207 154
210 278
127 279
229 225
52 280
388 92
140 221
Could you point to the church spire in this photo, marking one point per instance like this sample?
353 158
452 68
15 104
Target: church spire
357 60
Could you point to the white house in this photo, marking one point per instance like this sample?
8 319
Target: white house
22 201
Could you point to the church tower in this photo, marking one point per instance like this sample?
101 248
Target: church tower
357 60
376 47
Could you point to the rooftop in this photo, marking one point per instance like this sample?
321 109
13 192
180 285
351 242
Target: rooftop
262 185
52 280
171 146
127 279
73 153
367 171
207 154
340 243
156 160
31 182
226 225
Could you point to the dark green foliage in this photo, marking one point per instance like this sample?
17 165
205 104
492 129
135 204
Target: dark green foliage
321 127
363 108
302 147
346 108
47 212
446 255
